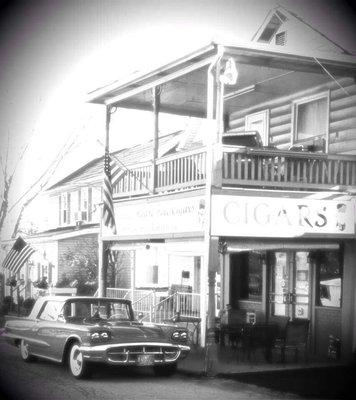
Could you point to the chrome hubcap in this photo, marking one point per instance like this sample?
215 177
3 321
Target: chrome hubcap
24 350
76 360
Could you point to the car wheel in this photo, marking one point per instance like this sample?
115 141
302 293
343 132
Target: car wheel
165 370
77 365
25 353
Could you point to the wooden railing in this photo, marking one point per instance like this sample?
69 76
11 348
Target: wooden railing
241 167
134 180
185 170
287 169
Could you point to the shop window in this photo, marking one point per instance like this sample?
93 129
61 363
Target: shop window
311 118
328 278
247 275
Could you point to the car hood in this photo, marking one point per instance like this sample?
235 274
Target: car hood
136 332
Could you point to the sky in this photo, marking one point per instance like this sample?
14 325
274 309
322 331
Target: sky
52 53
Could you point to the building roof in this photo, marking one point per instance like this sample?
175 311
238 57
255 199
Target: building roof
92 171
276 21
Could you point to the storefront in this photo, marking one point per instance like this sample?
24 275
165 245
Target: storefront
290 257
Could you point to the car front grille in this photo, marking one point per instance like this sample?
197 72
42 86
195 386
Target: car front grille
130 354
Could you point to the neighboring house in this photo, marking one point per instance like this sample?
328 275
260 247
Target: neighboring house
68 248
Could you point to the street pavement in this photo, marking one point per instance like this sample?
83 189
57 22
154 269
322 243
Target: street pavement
44 380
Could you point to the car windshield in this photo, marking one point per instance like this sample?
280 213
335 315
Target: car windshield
97 310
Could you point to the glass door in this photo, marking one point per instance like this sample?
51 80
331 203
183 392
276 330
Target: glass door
289 294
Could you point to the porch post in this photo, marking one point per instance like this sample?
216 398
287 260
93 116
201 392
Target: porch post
210 243
156 107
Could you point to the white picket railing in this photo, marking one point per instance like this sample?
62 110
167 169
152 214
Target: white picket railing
153 309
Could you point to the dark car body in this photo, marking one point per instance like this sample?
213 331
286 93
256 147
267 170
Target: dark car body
100 329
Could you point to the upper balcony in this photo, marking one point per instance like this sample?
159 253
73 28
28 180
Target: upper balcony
242 167
290 99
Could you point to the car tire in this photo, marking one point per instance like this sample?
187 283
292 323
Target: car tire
25 353
78 367
165 370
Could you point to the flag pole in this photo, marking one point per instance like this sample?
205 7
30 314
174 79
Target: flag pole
101 250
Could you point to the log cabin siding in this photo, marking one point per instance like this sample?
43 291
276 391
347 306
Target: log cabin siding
342 116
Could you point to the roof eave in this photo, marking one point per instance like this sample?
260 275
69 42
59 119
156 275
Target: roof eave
340 64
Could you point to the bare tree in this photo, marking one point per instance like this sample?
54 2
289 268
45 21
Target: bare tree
40 184
34 189
7 178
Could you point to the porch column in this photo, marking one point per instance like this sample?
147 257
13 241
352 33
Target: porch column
211 256
156 94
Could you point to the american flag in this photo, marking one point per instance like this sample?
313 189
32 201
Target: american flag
108 206
17 256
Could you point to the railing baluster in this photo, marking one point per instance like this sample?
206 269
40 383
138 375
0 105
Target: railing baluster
253 167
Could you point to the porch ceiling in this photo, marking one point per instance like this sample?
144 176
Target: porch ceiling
184 83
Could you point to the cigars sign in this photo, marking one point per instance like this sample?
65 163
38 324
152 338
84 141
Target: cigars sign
281 217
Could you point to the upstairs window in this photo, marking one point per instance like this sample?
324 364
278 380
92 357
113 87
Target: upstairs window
84 206
311 118
272 27
64 209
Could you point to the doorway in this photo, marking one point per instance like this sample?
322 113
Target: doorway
290 284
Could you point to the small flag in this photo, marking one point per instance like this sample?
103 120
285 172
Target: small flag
229 77
108 205
17 256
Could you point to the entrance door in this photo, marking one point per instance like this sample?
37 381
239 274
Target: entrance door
290 284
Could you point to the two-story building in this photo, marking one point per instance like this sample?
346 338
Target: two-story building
269 227
265 226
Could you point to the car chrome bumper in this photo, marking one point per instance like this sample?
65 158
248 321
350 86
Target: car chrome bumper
133 353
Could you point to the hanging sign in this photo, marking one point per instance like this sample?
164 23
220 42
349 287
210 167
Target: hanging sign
173 216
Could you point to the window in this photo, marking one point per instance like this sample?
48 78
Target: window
328 278
64 209
311 118
152 274
271 28
51 311
259 122
281 38
84 205
247 275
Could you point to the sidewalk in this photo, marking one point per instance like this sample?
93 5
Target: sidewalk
225 363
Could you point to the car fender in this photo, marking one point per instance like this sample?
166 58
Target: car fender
70 339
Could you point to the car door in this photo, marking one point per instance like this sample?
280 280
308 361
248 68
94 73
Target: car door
48 331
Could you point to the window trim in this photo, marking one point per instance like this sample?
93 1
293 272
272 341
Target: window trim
308 99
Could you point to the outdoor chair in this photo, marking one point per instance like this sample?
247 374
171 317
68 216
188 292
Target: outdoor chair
281 326
296 339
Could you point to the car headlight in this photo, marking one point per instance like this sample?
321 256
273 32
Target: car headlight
176 335
180 335
183 335
100 336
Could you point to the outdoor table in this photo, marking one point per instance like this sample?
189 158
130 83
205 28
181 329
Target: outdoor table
251 336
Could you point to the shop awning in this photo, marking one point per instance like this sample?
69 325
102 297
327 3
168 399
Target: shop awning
235 246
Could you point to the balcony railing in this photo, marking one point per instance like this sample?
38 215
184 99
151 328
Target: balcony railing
287 169
262 168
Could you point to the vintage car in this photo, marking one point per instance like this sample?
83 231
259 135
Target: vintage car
79 331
